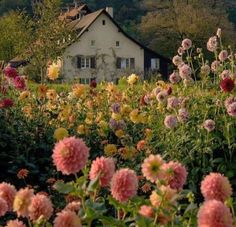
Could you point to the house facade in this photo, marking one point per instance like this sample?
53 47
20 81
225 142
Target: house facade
103 51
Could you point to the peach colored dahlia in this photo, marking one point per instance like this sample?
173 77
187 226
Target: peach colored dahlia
67 219
105 167
7 192
146 211
3 207
214 213
15 223
216 186
40 206
124 185
70 155
151 168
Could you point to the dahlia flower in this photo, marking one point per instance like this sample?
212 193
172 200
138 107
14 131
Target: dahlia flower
10 72
3 207
132 79
19 83
151 168
7 192
15 223
73 206
67 218
53 71
216 186
214 213
146 211
40 206
60 133
70 155
124 185
6 102
105 167
175 174
227 85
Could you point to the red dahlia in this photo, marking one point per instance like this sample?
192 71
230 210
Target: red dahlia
227 85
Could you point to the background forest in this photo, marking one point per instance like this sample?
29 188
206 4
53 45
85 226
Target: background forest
160 24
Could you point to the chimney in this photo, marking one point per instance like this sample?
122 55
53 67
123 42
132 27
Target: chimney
110 11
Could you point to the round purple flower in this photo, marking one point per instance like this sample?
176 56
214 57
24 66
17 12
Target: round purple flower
209 125
115 107
170 121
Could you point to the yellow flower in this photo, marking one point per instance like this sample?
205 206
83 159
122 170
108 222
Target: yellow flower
128 152
78 90
111 87
65 113
53 71
162 84
132 79
60 134
125 110
51 94
103 125
134 116
42 90
110 149
27 110
24 95
81 129
119 133
143 118
116 116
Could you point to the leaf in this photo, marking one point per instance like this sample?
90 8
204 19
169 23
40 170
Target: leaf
64 188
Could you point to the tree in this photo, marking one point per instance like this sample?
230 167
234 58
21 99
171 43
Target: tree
168 22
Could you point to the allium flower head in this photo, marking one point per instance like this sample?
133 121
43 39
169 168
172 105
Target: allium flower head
162 96
22 201
115 107
105 167
209 125
172 102
40 206
215 65
174 78
218 33
177 60
216 186
7 192
67 219
223 55
70 155
229 101
214 213
186 44
151 168
175 174
170 121
225 74
205 70
146 211
15 223
3 207
183 115
227 85
124 185
185 71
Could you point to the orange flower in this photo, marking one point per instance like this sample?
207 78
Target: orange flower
22 174
42 90
146 188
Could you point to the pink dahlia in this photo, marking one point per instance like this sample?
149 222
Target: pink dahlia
19 83
73 206
124 185
70 155
214 213
223 55
216 186
209 125
105 167
175 174
40 206
15 223
22 201
151 168
67 219
5 103
146 211
7 192
10 72
170 121
186 44
231 109
212 44
174 78
3 207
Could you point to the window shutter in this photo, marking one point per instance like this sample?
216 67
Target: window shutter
79 62
93 62
118 63
132 63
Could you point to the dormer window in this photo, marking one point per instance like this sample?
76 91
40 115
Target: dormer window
103 22
117 43
92 43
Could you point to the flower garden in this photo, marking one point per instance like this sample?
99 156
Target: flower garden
133 154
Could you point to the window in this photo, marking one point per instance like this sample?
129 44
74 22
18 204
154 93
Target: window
117 43
92 43
155 63
84 81
86 62
103 22
125 63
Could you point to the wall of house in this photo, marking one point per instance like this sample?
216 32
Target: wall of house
105 50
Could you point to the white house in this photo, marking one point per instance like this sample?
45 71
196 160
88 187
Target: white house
103 50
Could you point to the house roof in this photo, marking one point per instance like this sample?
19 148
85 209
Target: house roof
83 24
